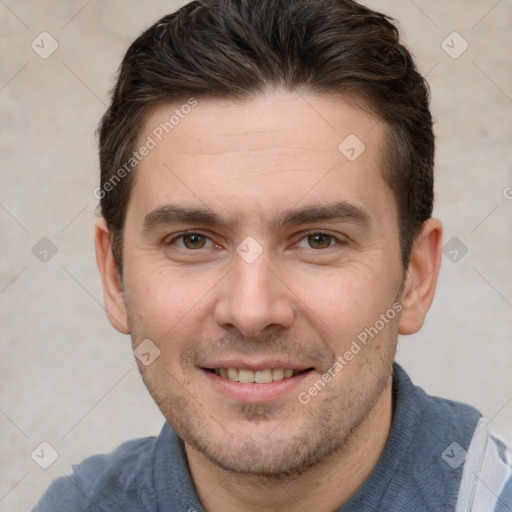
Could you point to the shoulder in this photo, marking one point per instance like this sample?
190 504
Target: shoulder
428 436
455 456
486 483
114 475
438 420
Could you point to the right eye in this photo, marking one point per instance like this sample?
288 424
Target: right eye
191 241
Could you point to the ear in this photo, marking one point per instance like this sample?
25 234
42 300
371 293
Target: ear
421 278
112 287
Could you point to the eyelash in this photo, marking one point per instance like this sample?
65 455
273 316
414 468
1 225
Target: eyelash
336 240
183 235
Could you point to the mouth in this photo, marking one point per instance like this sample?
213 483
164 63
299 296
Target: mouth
248 376
256 382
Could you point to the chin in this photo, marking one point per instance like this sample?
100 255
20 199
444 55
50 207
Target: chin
269 457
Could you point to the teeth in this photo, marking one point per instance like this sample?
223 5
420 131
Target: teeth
232 374
260 376
245 376
263 376
277 374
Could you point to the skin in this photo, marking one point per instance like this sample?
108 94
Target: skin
302 301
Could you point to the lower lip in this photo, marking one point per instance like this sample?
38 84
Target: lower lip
256 393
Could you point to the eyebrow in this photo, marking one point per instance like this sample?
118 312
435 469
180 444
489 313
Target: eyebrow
341 211
173 214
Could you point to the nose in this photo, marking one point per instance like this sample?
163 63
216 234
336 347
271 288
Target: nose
253 300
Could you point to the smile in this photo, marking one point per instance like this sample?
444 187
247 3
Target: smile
247 376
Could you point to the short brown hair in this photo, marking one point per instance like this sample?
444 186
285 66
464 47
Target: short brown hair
235 49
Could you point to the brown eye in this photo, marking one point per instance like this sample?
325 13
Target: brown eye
194 241
319 241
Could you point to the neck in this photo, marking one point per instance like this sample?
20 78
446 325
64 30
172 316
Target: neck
324 488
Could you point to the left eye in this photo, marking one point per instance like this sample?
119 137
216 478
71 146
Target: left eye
318 241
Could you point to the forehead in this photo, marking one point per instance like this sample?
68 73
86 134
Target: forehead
301 120
274 150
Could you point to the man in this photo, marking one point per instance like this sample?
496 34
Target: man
266 233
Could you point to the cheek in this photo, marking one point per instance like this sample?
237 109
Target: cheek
343 303
161 304
344 293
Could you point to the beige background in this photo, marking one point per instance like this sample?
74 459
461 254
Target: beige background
67 377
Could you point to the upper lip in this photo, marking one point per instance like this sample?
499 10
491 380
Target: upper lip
255 365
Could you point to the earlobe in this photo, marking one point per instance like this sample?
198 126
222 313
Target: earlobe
421 278
112 287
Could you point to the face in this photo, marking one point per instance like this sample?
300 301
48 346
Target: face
256 249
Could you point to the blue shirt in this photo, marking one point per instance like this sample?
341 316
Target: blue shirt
440 456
